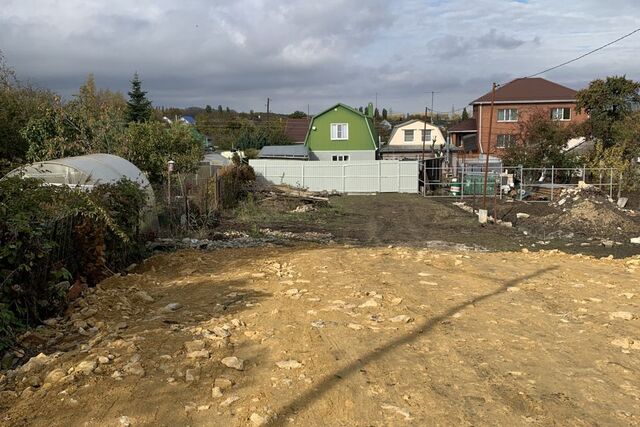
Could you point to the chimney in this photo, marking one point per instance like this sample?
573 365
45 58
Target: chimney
370 110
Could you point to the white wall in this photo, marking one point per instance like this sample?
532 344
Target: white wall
378 176
356 155
397 136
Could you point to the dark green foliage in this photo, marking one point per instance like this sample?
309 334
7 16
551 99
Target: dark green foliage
465 115
607 102
138 106
52 234
298 115
208 109
384 114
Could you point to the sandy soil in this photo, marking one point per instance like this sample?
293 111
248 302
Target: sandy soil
368 337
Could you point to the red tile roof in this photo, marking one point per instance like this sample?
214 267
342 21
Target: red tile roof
529 89
296 129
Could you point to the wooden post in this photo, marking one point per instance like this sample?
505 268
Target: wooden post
486 162
552 174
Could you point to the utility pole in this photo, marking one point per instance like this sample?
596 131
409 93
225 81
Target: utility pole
432 94
424 164
268 103
486 159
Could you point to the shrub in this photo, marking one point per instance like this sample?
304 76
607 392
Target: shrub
236 179
51 234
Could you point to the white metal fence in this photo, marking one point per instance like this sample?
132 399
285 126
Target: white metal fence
376 176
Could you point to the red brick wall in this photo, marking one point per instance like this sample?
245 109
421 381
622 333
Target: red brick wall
513 127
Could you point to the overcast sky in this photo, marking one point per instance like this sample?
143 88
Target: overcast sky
299 52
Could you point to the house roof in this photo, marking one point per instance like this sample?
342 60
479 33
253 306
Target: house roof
297 151
296 129
408 122
368 120
467 125
534 89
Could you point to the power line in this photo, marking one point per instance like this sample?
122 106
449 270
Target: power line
585 54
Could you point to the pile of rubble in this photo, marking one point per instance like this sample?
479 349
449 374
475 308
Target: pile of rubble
587 211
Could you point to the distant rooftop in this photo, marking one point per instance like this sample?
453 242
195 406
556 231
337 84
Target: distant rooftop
529 89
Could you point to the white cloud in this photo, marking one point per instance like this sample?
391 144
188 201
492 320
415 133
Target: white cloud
300 52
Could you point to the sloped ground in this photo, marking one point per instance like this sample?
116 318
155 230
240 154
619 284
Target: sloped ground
343 336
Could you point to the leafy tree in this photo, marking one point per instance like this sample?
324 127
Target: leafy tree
150 145
138 106
208 109
361 109
607 102
376 114
298 115
540 142
19 103
384 114
228 110
220 109
465 115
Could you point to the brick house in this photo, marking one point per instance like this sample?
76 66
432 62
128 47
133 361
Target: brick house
513 102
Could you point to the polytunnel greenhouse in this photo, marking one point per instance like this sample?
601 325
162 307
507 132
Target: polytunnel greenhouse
87 171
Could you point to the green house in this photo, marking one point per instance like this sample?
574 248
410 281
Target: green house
342 133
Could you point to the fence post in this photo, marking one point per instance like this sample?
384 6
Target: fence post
521 195
584 174
379 176
553 171
344 189
462 184
611 183
398 163
620 186
302 171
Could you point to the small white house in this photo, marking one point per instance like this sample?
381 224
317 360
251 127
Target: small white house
406 139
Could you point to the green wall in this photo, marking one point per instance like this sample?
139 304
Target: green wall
360 138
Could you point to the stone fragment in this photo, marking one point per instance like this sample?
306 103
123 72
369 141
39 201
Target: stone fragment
369 303
196 345
624 315
86 367
143 296
402 318
355 326
223 383
229 401
289 364
200 354
233 362
54 376
216 392
257 420
172 307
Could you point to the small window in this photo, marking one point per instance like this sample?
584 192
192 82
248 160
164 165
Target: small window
507 115
334 158
340 158
505 141
426 135
563 114
408 135
339 131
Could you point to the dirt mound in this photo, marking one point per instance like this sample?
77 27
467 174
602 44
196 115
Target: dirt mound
587 211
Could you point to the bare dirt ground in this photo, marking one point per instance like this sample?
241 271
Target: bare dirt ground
343 336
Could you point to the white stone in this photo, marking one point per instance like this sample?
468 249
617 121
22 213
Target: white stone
624 315
86 367
172 307
522 215
196 345
229 400
216 392
200 354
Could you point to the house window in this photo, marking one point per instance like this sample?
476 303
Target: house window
340 158
505 141
426 135
507 115
339 131
408 135
562 114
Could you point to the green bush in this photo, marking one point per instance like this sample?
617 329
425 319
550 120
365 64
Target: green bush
52 234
